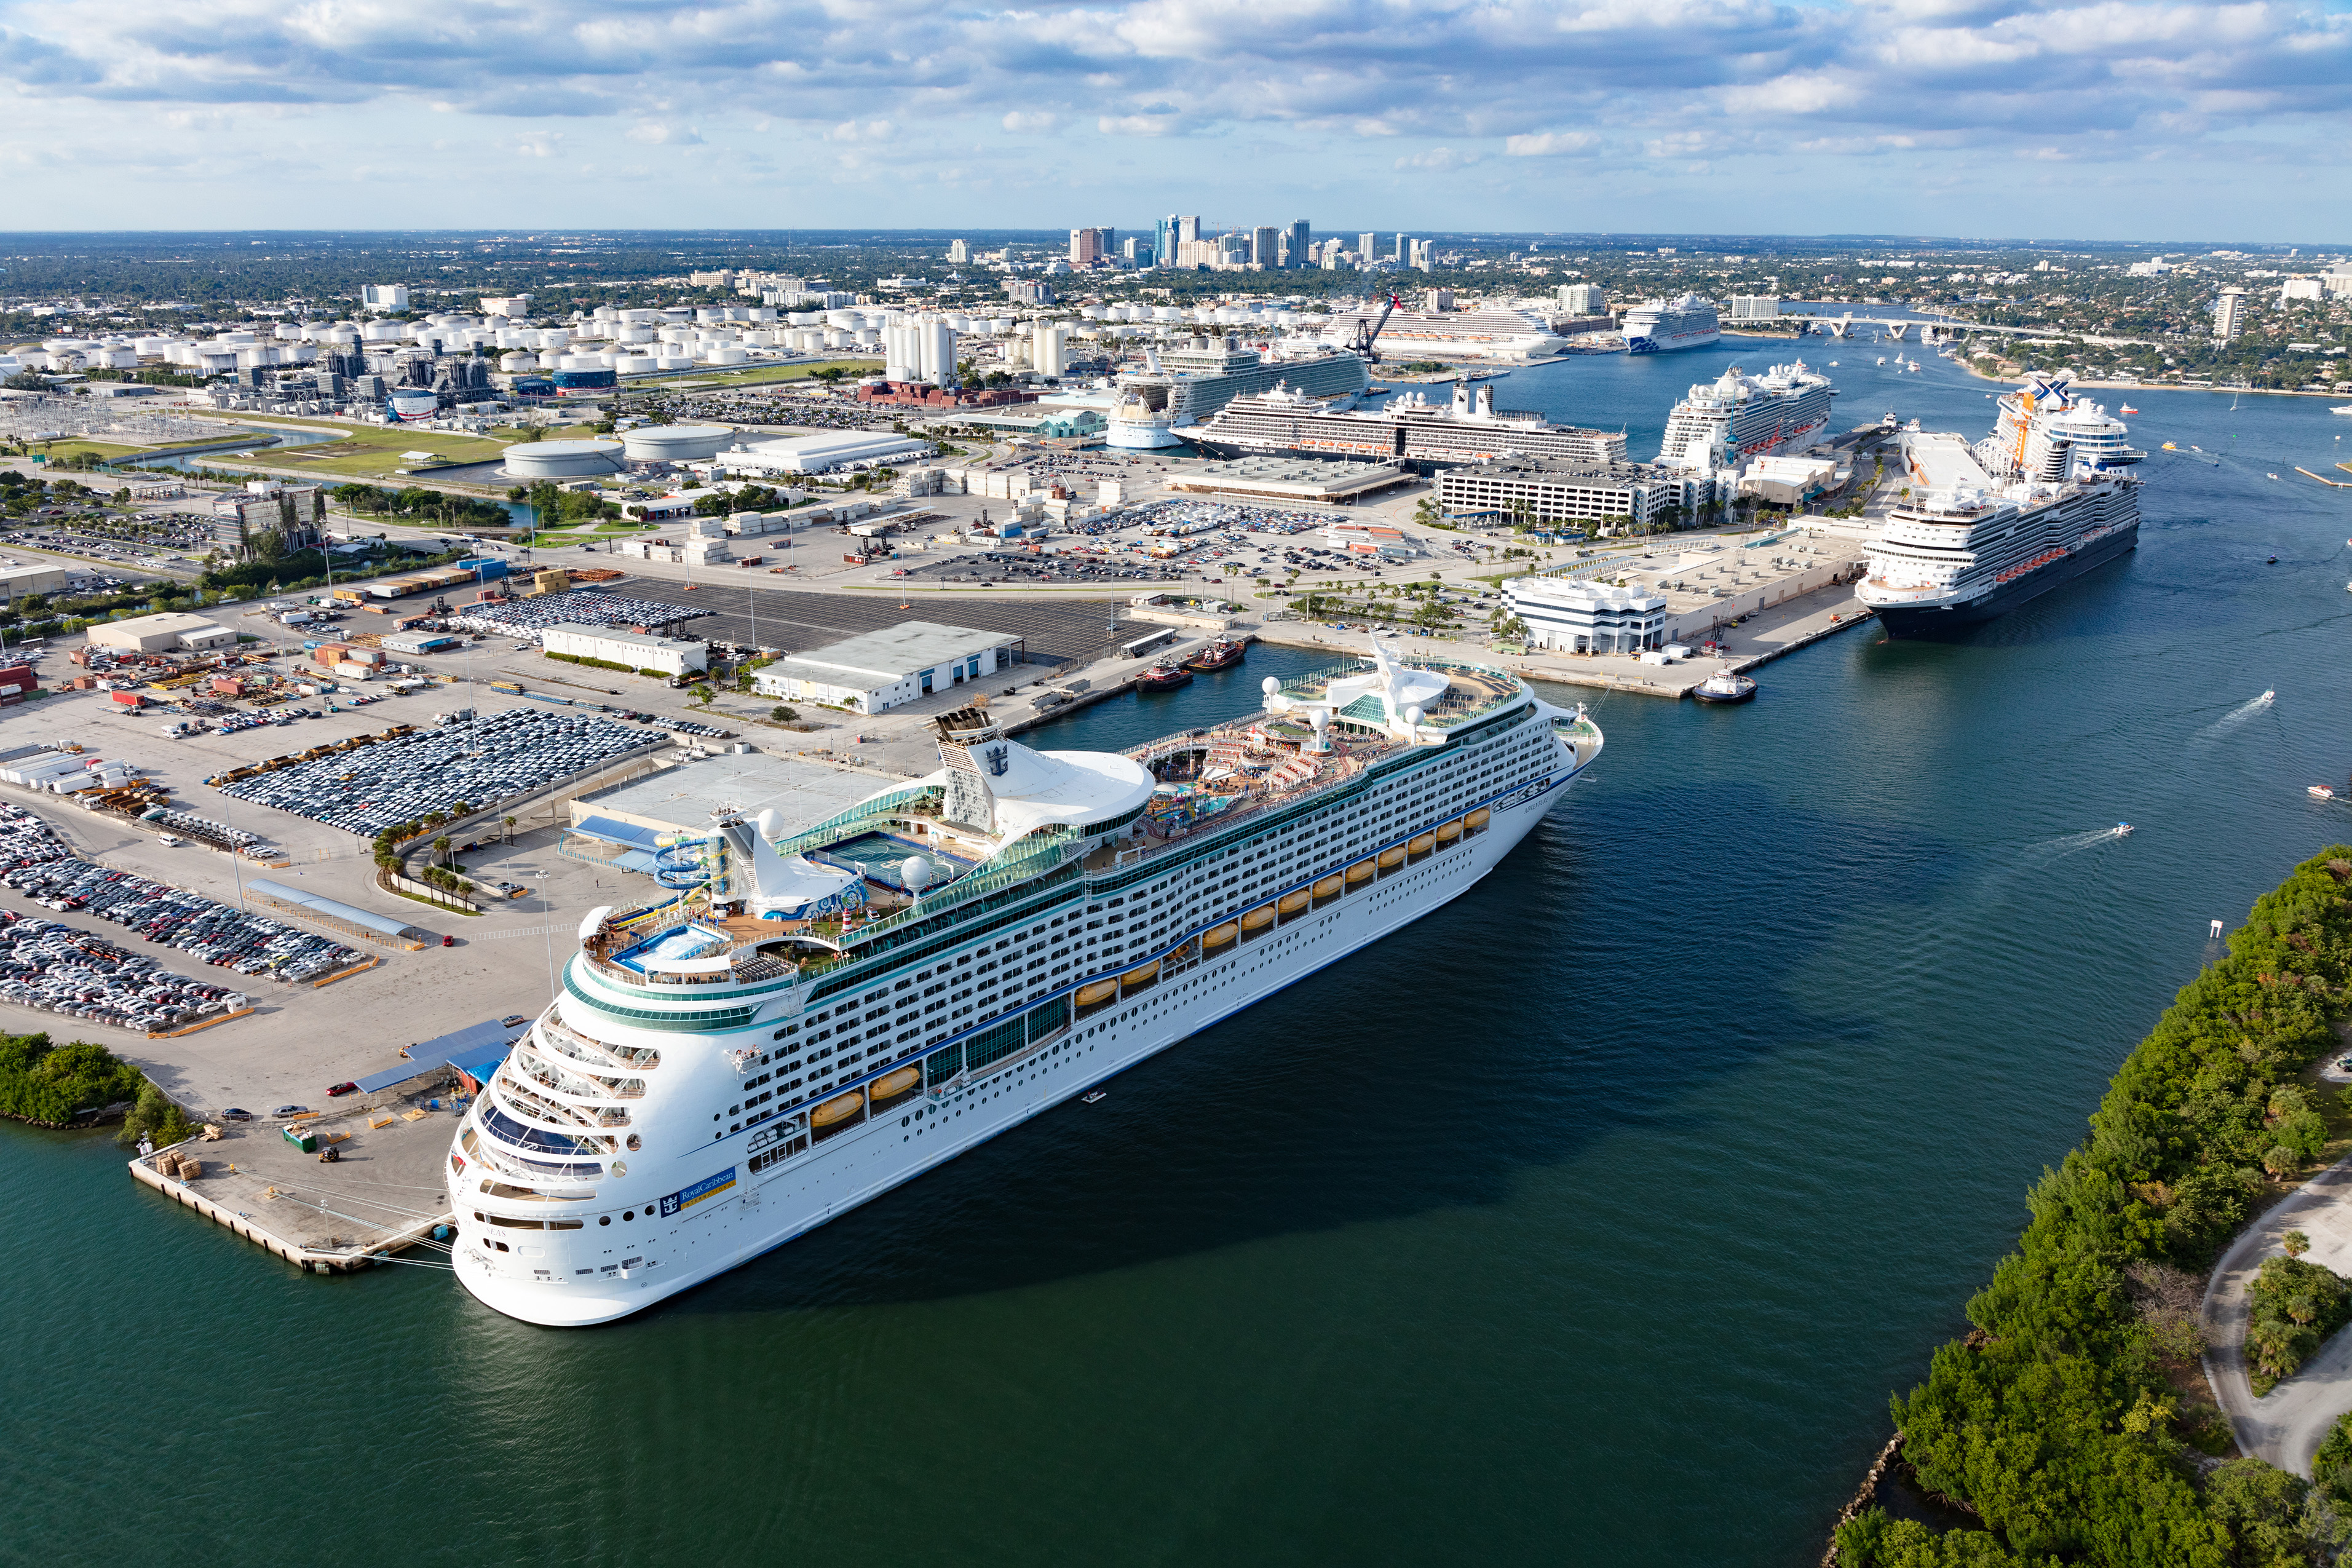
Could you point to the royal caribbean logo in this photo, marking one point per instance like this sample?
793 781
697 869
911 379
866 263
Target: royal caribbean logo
687 1197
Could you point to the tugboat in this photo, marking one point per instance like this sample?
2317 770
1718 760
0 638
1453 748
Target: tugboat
1163 678
1726 686
1221 654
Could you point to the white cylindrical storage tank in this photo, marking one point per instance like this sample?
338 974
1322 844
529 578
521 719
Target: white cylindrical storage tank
519 363
728 355
635 364
674 443
634 334
563 459
939 344
554 337
867 336
578 362
675 362
382 332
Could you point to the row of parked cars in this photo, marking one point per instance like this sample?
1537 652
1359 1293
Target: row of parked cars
59 969
39 865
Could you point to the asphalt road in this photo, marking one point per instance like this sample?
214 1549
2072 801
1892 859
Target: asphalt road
2287 1425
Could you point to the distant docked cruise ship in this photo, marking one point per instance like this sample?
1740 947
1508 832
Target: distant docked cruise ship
2047 497
1661 326
1499 335
1737 416
1188 384
1407 429
818 1021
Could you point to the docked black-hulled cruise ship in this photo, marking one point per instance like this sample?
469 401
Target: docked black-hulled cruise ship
2049 495
728 1070
1407 429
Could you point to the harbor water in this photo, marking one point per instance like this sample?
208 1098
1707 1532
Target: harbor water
1590 1220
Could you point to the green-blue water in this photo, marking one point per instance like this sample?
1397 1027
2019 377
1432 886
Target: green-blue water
1591 1220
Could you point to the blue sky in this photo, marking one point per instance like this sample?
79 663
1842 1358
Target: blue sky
2111 121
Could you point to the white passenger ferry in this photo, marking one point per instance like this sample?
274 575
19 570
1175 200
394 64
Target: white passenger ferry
829 1015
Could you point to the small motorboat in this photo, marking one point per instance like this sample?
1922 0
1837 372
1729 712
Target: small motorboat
1221 654
1726 686
2129 409
2320 791
1163 678
2271 560
1095 1096
2267 697
2123 829
2170 447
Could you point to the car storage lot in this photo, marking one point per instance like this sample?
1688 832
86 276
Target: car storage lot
302 1038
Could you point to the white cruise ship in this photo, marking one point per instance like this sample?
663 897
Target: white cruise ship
1661 326
1408 429
722 1073
1499 335
1187 385
2049 495
1736 417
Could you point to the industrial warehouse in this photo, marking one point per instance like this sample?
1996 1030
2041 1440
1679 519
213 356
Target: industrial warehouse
890 668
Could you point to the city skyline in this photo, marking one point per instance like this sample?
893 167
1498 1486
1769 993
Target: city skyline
1943 116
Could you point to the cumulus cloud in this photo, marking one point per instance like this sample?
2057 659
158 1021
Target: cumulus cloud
1746 77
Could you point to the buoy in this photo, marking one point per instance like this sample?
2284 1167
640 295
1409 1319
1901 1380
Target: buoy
2217 931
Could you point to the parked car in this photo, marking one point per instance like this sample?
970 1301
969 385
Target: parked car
291 1111
344 1087
236 1114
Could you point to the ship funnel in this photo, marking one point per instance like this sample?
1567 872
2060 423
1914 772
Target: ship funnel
1486 403
1461 398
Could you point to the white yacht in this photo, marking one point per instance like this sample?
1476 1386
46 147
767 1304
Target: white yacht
828 1015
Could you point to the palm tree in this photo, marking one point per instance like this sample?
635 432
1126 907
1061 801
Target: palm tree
441 848
508 822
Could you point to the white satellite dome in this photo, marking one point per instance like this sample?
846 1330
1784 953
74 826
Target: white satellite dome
916 872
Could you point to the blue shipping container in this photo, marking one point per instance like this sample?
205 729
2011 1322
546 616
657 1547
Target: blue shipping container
486 567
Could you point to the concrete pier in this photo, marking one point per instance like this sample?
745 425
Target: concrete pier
380 1196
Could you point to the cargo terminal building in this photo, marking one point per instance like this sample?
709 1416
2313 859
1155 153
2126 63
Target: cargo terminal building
889 667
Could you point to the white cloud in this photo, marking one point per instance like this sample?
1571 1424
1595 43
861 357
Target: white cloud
1022 124
1438 158
1549 143
661 134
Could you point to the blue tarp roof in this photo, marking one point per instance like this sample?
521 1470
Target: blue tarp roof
613 832
475 1051
390 1076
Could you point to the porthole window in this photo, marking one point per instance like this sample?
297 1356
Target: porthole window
628 1214
604 1219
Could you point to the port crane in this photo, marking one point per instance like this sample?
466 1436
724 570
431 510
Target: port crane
1368 330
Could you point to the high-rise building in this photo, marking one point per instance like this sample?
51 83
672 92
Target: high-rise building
1265 245
1423 254
1301 243
1164 240
958 252
1404 249
1188 228
1135 251
1584 298
1086 247
1364 243
2228 314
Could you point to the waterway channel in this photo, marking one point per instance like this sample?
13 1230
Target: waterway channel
1590 1220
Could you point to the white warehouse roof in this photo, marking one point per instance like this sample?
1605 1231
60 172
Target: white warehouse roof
813 454
886 657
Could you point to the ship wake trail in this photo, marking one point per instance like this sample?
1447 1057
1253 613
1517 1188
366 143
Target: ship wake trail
2234 719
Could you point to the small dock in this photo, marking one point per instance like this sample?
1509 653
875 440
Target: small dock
382 1193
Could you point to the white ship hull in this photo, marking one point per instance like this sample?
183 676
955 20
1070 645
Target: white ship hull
605 1271
1141 434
